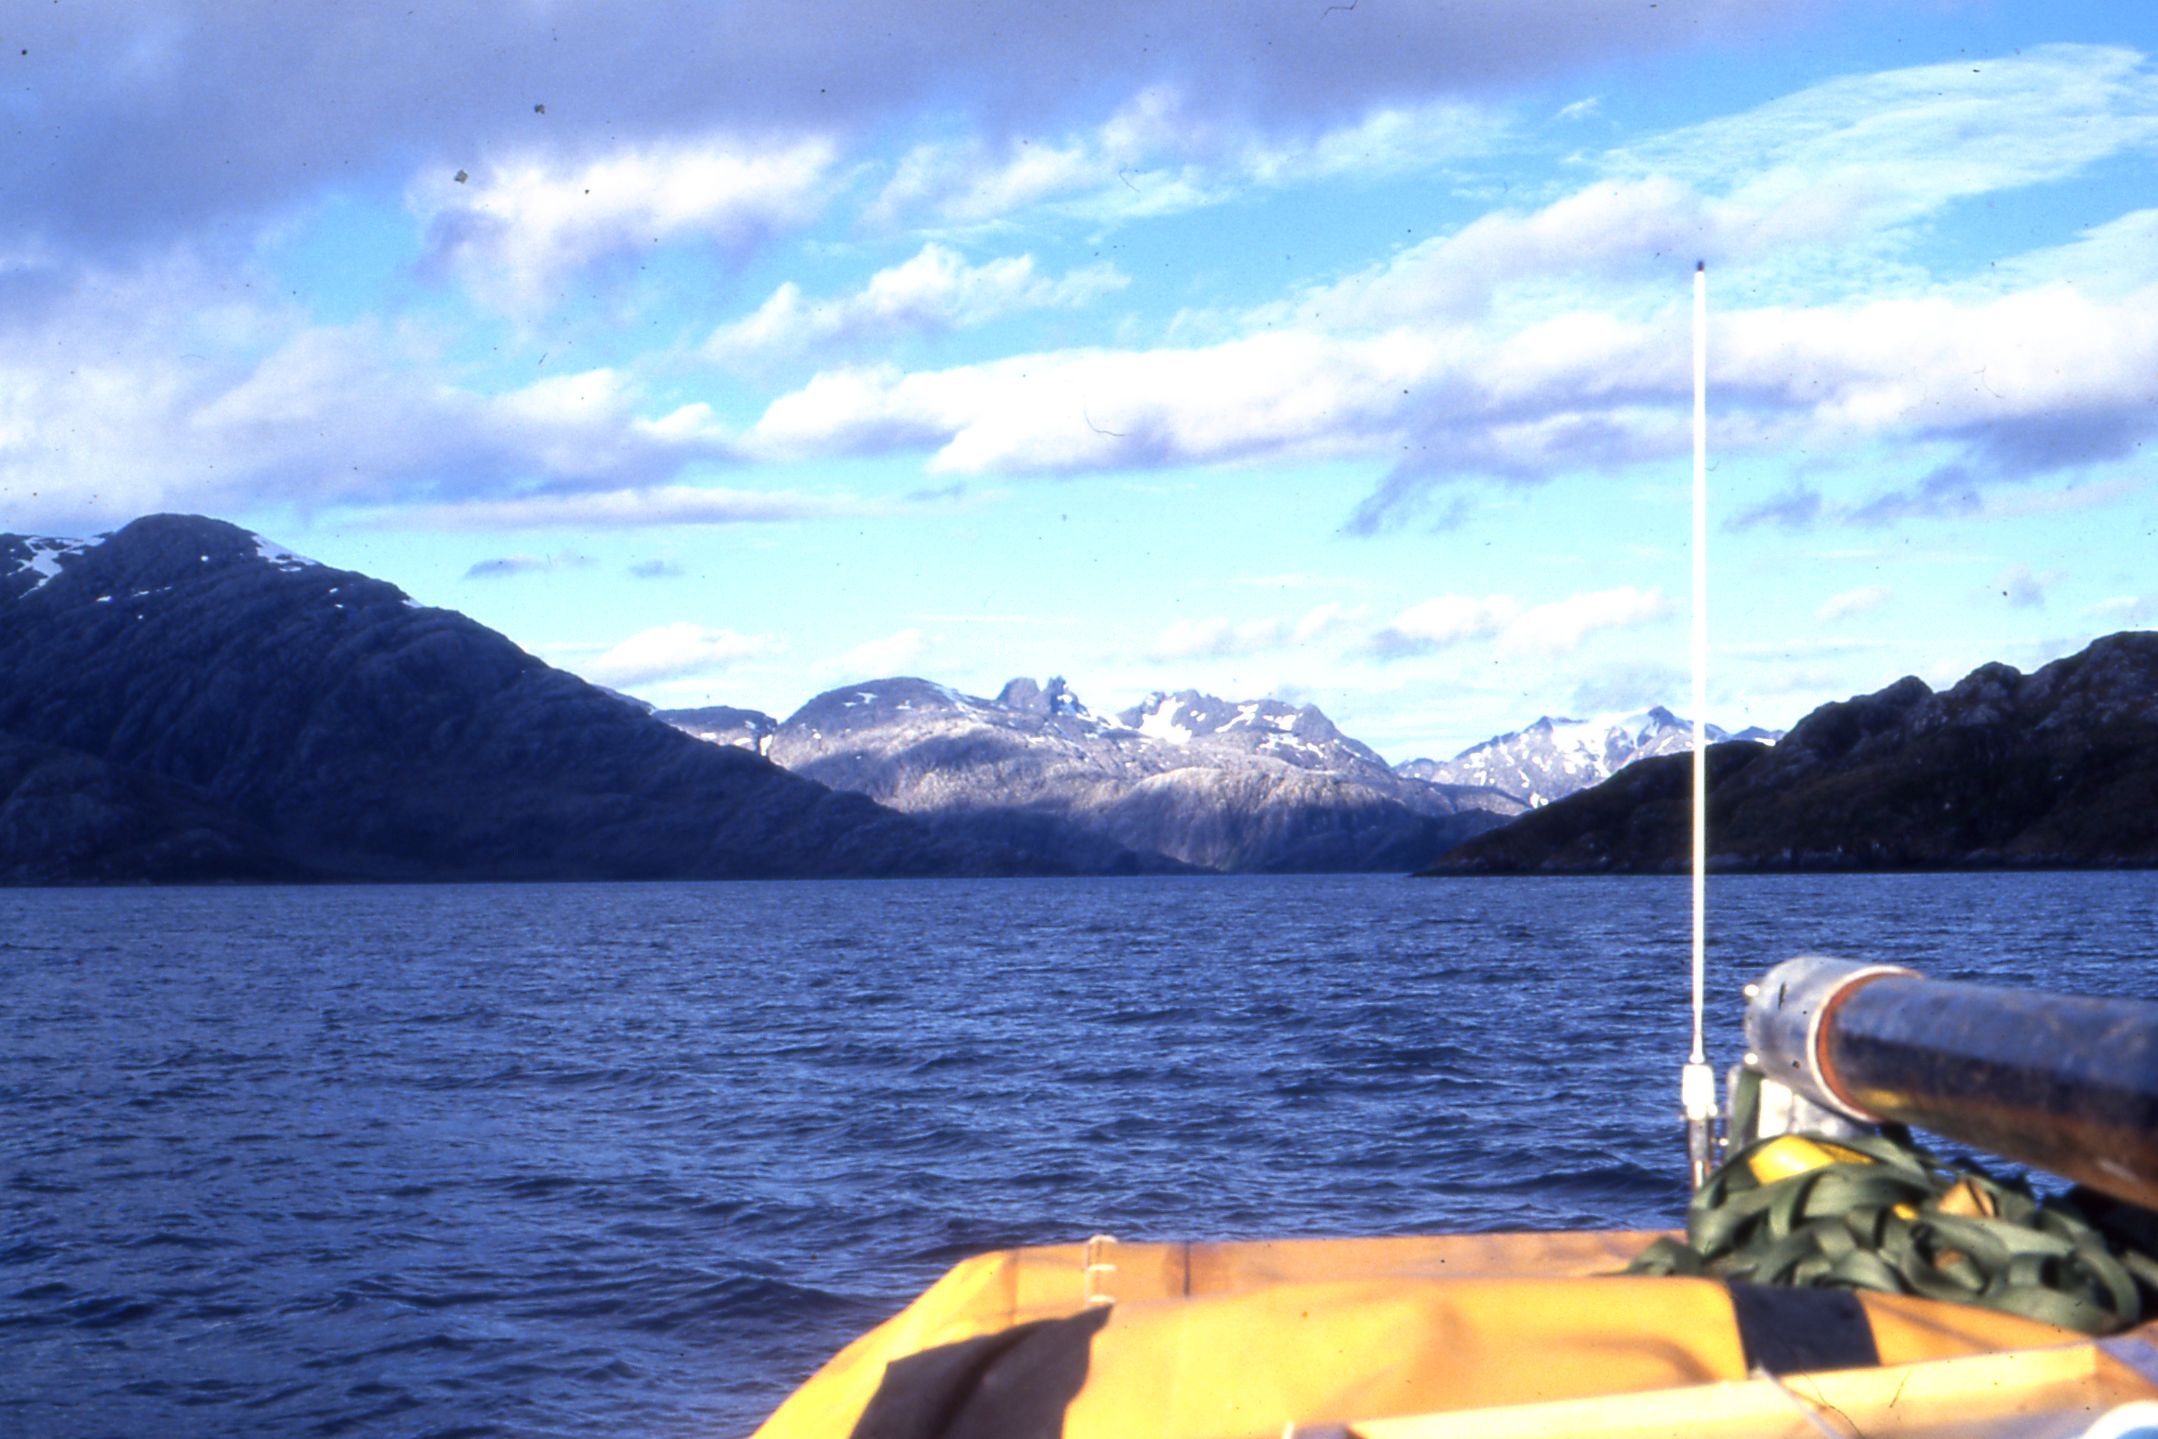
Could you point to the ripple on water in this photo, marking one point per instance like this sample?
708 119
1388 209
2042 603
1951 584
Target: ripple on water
537 1160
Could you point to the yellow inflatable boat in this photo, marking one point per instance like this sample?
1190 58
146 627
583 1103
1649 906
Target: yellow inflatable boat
1830 1281
1545 1335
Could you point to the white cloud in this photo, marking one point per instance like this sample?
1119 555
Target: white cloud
1855 155
1557 627
658 505
1191 639
517 228
1570 339
1448 620
2008 388
586 427
150 390
1934 364
936 290
1562 626
970 182
151 387
673 652
2107 259
1265 395
1162 153
1805 194
1635 228
1849 603
1536 340
277 97
882 658
1551 339
2013 384
2135 611
1221 638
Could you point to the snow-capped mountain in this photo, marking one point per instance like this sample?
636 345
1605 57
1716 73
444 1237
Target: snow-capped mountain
1298 735
2050 770
1255 785
1554 757
185 700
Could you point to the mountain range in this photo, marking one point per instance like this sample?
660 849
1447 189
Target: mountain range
184 700
2057 768
1180 780
1183 778
1556 757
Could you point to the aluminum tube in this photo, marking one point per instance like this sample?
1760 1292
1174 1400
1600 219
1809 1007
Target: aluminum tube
2063 1082
1784 1013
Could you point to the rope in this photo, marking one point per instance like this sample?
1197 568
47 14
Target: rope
1892 1217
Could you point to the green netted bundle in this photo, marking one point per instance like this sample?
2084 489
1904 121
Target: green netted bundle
1894 1218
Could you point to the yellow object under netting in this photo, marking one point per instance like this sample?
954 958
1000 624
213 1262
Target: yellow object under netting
1517 1334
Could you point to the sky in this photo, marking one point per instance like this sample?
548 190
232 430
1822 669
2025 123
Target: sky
732 351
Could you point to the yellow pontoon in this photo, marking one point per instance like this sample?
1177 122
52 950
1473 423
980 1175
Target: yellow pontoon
1544 1335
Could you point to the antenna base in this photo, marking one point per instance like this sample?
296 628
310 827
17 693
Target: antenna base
1697 1098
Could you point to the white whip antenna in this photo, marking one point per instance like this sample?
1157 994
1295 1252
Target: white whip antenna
1697 1082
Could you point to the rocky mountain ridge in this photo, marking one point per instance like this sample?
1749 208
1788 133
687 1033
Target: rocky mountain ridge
184 699
1185 779
2058 768
725 724
1556 756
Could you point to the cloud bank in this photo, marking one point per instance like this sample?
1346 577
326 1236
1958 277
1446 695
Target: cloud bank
158 116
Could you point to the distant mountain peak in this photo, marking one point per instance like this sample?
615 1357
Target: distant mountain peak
1053 697
180 536
2002 770
153 552
213 691
1224 784
1559 754
1183 715
725 724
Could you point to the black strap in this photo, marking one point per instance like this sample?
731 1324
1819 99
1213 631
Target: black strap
1014 1384
1802 1331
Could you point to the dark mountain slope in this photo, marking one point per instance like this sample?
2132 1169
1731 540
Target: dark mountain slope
2053 769
70 818
371 736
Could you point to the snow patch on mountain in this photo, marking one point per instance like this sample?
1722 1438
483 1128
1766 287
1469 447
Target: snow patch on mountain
1158 721
279 556
1557 755
44 555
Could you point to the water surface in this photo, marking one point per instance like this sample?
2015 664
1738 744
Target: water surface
633 1159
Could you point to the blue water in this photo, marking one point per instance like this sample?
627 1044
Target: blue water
633 1159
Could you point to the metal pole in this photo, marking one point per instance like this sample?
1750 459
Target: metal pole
2066 1082
1697 1082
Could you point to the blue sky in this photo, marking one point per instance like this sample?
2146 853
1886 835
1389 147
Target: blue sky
724 353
